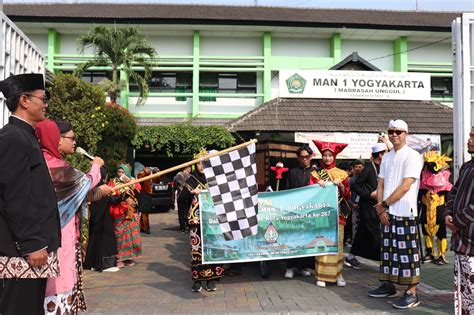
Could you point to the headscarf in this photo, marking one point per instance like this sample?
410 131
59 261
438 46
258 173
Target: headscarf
71 185
48 135
334 147
126 169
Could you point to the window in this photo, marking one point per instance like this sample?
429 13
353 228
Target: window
228 82
167 82
247 83
442 87
95 77
209 82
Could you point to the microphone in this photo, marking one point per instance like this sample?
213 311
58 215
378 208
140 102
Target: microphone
84 153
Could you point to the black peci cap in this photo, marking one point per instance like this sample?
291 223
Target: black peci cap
21 83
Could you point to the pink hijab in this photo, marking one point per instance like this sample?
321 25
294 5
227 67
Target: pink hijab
47 132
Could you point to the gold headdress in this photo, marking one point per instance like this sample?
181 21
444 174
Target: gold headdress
438 159
202 152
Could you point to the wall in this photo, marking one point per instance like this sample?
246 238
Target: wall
368 49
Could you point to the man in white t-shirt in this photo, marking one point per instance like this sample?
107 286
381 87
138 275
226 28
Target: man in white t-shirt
397 192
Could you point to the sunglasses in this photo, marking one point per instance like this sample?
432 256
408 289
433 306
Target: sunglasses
397 132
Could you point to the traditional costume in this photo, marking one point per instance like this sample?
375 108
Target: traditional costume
434 187
199 271
328 268
400 259
29 218
125 220
460 207
65 294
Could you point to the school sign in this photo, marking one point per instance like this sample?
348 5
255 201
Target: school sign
355 85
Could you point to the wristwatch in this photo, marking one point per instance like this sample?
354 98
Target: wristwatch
384 204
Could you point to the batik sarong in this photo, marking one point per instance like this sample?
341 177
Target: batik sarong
463 284
399 257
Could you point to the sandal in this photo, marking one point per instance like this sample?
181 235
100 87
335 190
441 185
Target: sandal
129 263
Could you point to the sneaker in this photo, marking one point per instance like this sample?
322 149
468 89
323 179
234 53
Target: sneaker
210 285
440 261
197 287
408 300
353 263
428 258
111 269
385 290
304 272
289 273
340 282
321 284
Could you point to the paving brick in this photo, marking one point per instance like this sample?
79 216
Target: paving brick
161 284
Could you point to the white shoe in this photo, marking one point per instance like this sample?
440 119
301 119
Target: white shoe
289 273
305 272
340 282
111 269
321 284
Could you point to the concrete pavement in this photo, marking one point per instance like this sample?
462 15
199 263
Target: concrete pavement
161 284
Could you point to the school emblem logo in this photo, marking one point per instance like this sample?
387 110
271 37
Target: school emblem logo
296 84
271 234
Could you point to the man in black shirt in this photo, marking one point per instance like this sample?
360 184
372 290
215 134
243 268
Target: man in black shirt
29 220
299 177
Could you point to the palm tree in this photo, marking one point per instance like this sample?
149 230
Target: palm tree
120 49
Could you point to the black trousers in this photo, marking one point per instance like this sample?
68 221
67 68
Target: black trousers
22 296
183 208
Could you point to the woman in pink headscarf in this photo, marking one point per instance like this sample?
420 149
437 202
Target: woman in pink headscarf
64 294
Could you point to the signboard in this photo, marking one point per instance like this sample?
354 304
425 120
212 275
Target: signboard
355 84
298 222
360 144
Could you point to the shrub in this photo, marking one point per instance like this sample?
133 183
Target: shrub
116 139
182 138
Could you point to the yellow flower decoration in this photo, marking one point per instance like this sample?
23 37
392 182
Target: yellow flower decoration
201 153
441 161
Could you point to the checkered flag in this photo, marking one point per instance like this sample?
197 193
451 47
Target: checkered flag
233 187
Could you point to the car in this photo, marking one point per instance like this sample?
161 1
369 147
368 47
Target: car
161 196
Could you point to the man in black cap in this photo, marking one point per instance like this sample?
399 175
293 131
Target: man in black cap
29 221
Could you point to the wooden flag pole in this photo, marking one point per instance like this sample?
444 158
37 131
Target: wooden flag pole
181 166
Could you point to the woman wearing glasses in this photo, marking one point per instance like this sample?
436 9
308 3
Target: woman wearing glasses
64 294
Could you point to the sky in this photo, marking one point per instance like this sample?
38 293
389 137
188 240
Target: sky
420 5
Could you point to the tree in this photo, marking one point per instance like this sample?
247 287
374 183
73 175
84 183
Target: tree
83 105
102 129
121 49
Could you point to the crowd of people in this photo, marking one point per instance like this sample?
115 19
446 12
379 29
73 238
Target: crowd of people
56 220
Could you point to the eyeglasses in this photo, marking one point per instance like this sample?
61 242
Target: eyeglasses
73 138
44 99
397 132
304 157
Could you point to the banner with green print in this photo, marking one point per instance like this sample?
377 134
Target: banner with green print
293 223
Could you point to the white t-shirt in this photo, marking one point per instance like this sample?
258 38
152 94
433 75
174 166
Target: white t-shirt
395 166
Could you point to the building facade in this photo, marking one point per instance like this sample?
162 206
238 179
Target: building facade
217 63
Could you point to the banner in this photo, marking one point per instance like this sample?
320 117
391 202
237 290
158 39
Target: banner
292 223
355 84
360 144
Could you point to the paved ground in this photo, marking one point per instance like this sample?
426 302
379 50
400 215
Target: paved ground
161 284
